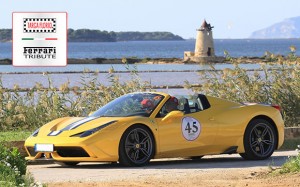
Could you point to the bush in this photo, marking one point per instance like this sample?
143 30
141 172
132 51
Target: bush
292 165
28 109
273 83
13 169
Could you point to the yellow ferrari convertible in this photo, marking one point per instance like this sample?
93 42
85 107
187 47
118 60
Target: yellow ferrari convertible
138 127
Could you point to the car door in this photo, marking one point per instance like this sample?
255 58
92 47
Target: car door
190 134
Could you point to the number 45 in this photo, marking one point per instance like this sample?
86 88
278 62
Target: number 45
192 129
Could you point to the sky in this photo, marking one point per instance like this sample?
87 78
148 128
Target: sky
232 19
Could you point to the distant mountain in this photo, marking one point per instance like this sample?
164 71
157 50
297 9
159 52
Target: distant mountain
288 28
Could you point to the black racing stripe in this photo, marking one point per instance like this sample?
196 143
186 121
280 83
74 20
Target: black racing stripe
78 123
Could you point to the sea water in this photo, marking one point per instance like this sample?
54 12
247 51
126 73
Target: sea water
170 49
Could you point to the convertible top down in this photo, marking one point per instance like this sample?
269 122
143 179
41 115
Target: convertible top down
137 127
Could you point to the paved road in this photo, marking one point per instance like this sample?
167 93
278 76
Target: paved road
218 165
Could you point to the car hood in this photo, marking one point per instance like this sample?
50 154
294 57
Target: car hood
72 125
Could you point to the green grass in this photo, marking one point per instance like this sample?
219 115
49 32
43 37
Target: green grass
14 136
292 165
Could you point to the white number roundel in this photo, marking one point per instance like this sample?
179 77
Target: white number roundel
190 128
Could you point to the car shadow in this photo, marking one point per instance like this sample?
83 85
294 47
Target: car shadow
204 163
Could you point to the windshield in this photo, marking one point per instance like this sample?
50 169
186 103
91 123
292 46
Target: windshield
136 104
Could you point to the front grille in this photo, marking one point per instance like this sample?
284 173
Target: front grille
71 152
31 151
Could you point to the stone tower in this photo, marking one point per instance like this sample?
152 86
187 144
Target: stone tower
204 42
204 47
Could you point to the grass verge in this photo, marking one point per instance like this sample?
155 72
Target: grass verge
291 166
10 136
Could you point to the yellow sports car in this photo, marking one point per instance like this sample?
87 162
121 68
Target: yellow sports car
137 127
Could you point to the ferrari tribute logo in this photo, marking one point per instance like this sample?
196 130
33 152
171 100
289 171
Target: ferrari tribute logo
40 52
190 128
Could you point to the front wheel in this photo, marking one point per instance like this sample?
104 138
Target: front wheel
136 147
260 140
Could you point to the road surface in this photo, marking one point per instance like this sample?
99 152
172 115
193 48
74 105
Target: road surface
217 170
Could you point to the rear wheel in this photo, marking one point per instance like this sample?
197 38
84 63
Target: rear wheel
136 147
260 140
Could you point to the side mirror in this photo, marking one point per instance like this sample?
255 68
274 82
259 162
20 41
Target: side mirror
173 114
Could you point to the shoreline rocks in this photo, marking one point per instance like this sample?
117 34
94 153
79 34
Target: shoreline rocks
133 60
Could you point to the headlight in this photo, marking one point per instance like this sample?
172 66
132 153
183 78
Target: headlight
92 131
36 132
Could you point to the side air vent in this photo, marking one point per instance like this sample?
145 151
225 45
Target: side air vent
71 152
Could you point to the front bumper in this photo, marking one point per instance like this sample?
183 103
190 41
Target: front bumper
76 150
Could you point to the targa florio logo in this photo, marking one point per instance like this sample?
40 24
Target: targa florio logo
42 25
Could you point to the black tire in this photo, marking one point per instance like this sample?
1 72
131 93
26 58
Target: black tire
260 140
136 147
67 163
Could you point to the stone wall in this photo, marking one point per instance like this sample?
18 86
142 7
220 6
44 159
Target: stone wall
292 133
